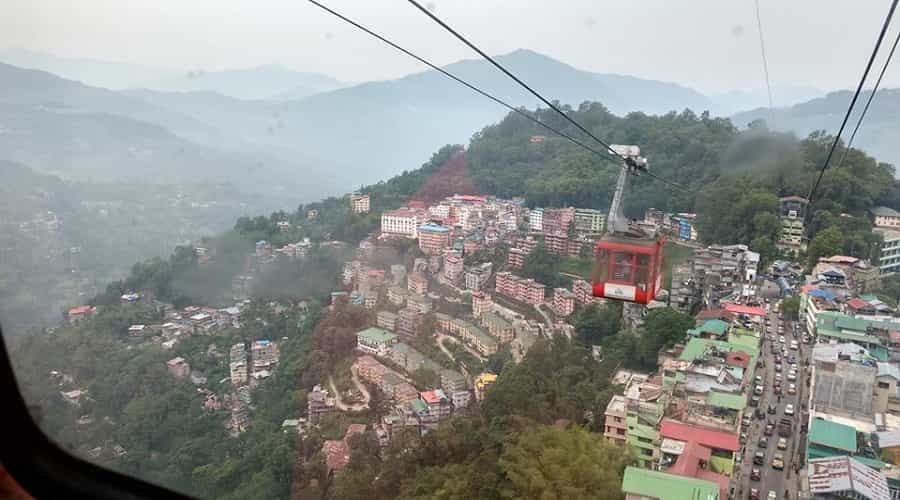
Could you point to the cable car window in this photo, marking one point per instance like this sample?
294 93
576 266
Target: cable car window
623 266
642 270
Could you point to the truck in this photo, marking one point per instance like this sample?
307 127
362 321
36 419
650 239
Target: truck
785 427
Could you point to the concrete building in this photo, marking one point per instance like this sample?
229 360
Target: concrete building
178 367
482 382
401 222
408 321
474 337
375 341
397 295
889 257
521 289
481 303
387 320
318 403
433 238
516 258
265 354
563 302
885 217
589 222
793 211
417 283
497 327
453 267
239 371
615 425
477 276
421 303
360 203
536 219
642 484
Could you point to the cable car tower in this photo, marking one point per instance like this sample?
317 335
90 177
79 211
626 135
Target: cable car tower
628 259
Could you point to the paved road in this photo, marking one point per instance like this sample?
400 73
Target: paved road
771 479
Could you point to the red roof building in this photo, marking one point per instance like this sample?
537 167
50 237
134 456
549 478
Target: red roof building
737 358
742 309
673 429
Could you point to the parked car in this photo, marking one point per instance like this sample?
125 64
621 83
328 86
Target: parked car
792 375
763 442
792 389
778 367
758 390
777 390
759 458
754 474
772 409
754 401
754 494
772 495
745 421
789 410
782 443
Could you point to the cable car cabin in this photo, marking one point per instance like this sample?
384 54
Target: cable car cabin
628 269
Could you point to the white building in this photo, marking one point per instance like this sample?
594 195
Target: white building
536 219
889 260
885 217
360 203
401 222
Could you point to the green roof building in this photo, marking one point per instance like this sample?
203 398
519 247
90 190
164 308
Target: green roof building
830 439
374 340
645 484
711 328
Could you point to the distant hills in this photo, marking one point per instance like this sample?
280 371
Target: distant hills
877 135
262 82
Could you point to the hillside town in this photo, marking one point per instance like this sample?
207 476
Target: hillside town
757 397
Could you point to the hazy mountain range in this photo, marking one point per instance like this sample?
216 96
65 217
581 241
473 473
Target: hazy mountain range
314 145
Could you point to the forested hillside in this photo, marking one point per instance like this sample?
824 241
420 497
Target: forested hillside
545 404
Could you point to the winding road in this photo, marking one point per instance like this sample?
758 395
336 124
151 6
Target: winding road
364 405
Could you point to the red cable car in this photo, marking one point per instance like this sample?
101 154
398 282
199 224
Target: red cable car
628 269
629 261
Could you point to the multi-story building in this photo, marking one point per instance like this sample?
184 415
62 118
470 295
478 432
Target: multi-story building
563 302
360 203
477 276
481 303
558 219
421 303
417 283
524 290
615 425
889 258
375 341
474 336
452 381
237 365
885 217
453 267
178 367
584 292
387 320
408 321
556 242
401 222
498 327
536 219
793 212
589 222
397 295
265 354
433 238
516 258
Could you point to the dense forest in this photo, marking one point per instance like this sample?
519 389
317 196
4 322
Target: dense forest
551 399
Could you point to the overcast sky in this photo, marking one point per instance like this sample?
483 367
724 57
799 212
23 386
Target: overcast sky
711 45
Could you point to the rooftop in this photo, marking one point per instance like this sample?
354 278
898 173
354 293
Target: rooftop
884 212
832 435
726 400
664 486
374 334
706 437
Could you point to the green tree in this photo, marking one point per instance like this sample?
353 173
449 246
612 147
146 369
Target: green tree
790 306
549 463
543 266
595 322
827 242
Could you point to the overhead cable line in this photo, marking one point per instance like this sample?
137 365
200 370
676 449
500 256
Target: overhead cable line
884 68
887 21
602 154
518 80
762 47
459 80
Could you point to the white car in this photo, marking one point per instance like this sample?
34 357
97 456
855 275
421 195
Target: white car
789 410
781 339
792 375
794 345
792 389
